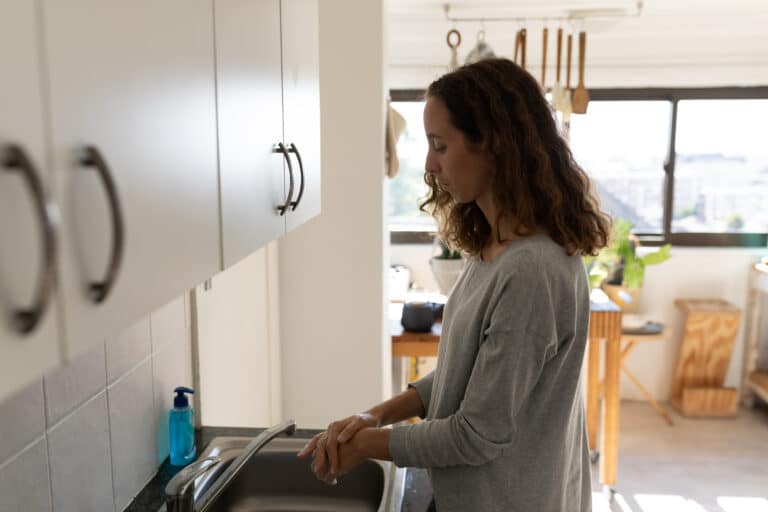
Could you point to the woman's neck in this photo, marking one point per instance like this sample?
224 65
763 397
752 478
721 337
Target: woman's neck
502 229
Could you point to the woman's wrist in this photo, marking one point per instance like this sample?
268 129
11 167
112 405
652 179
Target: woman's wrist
372 443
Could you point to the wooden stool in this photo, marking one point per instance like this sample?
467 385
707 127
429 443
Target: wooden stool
710 332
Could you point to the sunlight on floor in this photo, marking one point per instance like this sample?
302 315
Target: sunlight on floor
600 503
733 504
674 503
667 503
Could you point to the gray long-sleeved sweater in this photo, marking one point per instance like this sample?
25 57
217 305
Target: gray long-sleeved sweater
504 428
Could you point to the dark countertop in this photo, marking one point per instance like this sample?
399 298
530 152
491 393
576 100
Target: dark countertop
418 491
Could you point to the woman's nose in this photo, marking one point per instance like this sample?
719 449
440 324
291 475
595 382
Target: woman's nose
431 166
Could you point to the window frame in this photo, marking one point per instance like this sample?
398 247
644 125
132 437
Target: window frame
673 95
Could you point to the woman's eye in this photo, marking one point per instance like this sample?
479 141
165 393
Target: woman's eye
440 149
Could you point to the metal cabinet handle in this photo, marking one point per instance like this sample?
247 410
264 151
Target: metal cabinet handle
280 148
25 320
295 204
99 290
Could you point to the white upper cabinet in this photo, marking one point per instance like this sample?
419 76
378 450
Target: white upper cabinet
28 317
144 147
301 90
269 120
250 115
133 144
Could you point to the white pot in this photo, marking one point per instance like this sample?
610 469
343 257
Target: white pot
446 272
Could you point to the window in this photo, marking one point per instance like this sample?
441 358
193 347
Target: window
686 166
623 146
408 188
721 171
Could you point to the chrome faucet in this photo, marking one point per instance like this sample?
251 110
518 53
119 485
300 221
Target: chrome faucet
179 493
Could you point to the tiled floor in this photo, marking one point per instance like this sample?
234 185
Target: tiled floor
698 465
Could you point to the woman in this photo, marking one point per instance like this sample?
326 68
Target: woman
504 426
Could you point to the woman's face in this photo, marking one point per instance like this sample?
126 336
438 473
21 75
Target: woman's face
461 170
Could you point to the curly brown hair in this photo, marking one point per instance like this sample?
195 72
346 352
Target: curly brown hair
499 107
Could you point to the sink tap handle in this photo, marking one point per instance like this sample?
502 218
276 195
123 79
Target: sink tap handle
229 474
179 493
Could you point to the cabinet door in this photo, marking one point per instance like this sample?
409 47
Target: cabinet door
135 81
301 90
23 226
250 117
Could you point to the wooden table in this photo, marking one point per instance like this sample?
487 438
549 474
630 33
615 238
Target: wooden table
605 325
412 344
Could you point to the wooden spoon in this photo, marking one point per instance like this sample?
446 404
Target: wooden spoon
517 47
557 89
522 48
580 95
544 37
565 105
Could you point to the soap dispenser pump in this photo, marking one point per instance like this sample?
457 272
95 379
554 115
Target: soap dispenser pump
181 427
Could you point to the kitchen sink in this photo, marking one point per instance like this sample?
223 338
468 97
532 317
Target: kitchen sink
274 479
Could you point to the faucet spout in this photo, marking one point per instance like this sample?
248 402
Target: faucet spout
229 474
179 489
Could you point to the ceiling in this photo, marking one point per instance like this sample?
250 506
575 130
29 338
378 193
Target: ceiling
671 42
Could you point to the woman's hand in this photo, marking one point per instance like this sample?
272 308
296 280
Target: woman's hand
341 431
348 458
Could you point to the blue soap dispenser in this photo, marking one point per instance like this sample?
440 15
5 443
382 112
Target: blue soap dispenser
181 425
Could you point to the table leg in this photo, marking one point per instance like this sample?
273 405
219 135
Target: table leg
413 376
593 392
610 440
413 369
648 396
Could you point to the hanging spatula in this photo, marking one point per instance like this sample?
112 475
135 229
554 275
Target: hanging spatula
565 106
580 98
557 89
544 38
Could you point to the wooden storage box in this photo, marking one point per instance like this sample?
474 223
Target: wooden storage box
708 402
709 334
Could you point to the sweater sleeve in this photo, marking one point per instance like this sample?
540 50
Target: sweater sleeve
423 387
508 365
485 423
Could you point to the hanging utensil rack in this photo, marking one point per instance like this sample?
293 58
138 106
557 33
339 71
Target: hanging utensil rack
572 16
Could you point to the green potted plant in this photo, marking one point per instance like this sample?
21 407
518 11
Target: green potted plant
446 264
618 269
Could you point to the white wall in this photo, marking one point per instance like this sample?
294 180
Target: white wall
238 344
690 273
334 336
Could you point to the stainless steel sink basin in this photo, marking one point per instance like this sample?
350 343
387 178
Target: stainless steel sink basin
276 480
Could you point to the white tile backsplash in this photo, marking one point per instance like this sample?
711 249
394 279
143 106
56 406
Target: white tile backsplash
128 349
24 483
169 324
70 386
171 367
22 419
132 433
81 473
90 435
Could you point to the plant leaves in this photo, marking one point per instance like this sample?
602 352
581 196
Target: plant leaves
620 230
634 272
654 258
